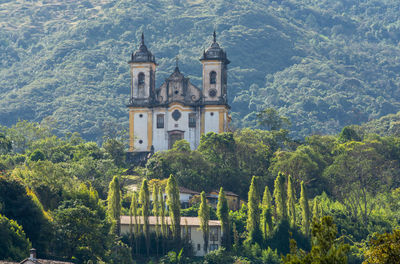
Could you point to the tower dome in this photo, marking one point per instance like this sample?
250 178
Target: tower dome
142 54
215 52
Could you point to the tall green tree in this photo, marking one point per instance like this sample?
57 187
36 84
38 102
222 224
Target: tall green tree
326 248
114 205
316 214
384 248
223 216
162 213
156 212
279 196
204 215
14 245
145 203
174 207
291 202
134 213
253 214
305 211
266 213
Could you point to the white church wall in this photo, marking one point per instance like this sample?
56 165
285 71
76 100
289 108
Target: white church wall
140 131
211 119
135 71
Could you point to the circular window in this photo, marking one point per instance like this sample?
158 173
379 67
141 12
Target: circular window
212 92
140 115
176 91
212 113
140 141
176 115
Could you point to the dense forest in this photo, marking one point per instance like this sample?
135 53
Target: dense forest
323 64
332 198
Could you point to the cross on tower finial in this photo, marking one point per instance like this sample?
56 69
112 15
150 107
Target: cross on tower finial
142 38
215 36
176 61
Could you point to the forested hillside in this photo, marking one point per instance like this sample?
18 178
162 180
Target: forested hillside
324 64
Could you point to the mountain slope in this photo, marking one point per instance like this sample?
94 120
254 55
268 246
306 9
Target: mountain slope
324 65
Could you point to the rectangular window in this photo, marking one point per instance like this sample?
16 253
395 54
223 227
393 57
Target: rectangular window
198 247
160 121
192 120
214 234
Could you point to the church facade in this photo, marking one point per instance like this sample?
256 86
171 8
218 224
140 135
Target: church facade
158 117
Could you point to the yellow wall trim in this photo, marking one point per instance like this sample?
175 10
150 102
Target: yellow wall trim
149 130
131 131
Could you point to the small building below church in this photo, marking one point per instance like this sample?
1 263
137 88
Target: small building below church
194 235
158 117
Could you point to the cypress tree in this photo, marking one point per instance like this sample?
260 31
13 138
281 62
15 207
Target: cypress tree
316 209
156 210
162 213
305 210
279 196
291 202
156 207
145 202
174 207
134 212
114 205
266 214
223 216
253 214
204 214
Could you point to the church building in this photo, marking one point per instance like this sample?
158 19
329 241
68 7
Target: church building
158 117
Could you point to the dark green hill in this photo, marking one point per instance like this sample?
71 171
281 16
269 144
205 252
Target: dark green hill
325 64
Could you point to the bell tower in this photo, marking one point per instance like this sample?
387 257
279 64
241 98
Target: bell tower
214 116
215 67
143 72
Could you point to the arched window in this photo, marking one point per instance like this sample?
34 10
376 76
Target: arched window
141 78
213 77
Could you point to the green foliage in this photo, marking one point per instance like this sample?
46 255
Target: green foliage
384 248
348 134
305 211
17 205
13 243
279 197
291 203
174 207
204 215
5 144
80 232
219 256
223 217
325 247
266 214
144 197
37 155
269 118
116 150
114 205
253 214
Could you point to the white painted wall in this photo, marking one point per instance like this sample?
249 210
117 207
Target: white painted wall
140 131
211 120
160 135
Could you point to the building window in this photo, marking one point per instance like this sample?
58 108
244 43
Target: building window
160 121
213 77
192 120
187 235
198 247
214 234
141 78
